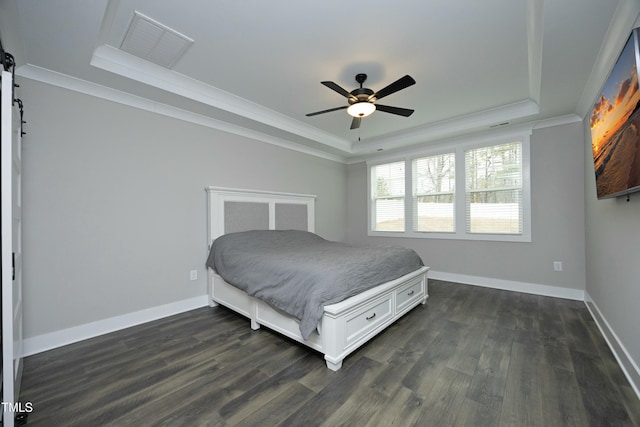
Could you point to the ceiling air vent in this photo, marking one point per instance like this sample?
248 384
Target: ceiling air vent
150 40
499 125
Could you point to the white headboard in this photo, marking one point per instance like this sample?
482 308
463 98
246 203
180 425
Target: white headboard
231 209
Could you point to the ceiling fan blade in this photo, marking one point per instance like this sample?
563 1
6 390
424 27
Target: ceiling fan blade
399 84
395 110
339 89
327 111
355 123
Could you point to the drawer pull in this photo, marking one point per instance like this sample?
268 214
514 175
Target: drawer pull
411 293
371 317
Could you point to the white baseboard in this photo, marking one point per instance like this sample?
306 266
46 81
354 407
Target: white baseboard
626 362
56 339
509 285
53 340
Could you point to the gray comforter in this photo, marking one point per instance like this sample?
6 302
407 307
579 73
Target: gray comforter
299 272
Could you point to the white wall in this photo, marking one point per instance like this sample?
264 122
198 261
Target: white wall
557 170
115 207
613 267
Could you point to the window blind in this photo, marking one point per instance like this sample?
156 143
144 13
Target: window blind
388 189
494 192
434 193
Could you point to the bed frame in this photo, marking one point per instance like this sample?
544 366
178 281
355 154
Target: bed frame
345 326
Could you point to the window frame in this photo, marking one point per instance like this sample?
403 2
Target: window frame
372 199
459 150
414 209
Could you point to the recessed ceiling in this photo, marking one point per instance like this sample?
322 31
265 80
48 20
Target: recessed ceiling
255 67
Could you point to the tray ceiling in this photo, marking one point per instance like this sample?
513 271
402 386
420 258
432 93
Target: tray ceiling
255 67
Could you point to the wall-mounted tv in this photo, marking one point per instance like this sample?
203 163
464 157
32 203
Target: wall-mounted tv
615 126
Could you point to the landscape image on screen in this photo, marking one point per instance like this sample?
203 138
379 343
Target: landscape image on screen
615 128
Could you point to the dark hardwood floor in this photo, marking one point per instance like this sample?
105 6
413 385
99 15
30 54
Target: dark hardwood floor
471 357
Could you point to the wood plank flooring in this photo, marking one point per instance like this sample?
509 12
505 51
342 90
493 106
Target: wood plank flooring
471 357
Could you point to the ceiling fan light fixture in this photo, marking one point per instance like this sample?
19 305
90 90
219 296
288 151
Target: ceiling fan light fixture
361 109
362 100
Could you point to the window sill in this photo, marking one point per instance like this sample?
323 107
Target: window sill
522 238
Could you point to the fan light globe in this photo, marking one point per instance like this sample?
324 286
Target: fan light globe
361 109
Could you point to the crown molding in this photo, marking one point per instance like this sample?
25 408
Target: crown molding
467 123
535 31
623 21
99 91
415 139
478 137
556 121
119 62
114 60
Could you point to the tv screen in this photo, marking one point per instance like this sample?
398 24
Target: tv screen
615 127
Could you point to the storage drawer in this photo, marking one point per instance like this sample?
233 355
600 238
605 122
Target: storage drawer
368 318
409 294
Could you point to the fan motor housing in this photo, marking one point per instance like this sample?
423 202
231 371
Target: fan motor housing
364 99
361 94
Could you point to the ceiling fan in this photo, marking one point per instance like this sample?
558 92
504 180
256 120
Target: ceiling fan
362 100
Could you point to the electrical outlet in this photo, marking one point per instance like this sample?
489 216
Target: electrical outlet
193 275
557 265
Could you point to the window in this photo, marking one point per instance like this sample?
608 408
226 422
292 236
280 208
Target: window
388 183
494 189
475 192
433 193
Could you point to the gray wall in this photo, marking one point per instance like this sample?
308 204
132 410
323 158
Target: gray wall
557 170
115 213
115 207
613 259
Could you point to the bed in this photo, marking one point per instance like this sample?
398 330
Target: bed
343 326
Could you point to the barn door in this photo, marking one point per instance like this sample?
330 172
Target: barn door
11 252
